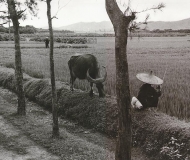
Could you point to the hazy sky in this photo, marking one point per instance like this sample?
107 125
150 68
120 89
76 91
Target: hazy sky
74 11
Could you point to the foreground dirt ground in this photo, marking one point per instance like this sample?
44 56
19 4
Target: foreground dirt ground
15 145
29 138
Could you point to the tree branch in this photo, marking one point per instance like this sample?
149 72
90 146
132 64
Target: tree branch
3 12
159 7
4 17
134 25
54 17
19 13
60 8
4 23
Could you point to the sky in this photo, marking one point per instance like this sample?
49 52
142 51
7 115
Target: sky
74 11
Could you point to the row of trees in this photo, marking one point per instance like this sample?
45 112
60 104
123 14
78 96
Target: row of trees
171 30
14 13
28 29
22 30
122 22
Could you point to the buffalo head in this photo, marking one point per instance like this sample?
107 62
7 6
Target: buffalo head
98 82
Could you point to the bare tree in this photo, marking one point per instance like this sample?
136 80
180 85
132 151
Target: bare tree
55 133
121 23
15 13
15 16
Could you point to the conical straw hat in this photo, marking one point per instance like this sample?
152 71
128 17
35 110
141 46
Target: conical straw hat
149 78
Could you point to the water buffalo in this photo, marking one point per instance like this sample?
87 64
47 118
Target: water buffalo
86 67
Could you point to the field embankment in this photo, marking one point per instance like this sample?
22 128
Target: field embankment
159 135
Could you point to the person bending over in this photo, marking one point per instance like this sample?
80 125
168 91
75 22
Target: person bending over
148 96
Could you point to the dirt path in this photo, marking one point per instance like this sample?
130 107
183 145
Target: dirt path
21 140
16 146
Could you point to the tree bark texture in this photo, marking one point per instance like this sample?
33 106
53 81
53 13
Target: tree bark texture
21 110
120 23
54 94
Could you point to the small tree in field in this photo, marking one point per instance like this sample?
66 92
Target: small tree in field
55 132
15 14
54 94
121 23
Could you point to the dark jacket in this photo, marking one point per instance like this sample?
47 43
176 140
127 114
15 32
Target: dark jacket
148 96
47 42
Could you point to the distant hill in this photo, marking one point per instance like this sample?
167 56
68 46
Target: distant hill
174 25
106 26
89 27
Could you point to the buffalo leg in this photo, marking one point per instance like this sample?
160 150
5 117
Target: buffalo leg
72 80
91 91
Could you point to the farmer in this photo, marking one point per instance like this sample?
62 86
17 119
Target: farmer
147 96
47 42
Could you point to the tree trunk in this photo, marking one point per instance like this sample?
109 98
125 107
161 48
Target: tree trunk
123 146
54 94
9 29
121 23
18 63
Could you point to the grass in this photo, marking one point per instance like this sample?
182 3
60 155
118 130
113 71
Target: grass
151 130
13 146
73 143
145 54
38 128
76 46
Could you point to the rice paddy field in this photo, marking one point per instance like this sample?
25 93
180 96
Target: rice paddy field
167 56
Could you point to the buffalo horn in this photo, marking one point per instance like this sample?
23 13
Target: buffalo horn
98 80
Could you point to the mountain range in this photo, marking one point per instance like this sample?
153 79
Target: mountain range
89 27
106 26
174 25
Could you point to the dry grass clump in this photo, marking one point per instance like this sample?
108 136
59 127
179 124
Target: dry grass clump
7 78
155 131
99 113
151 130
34 87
